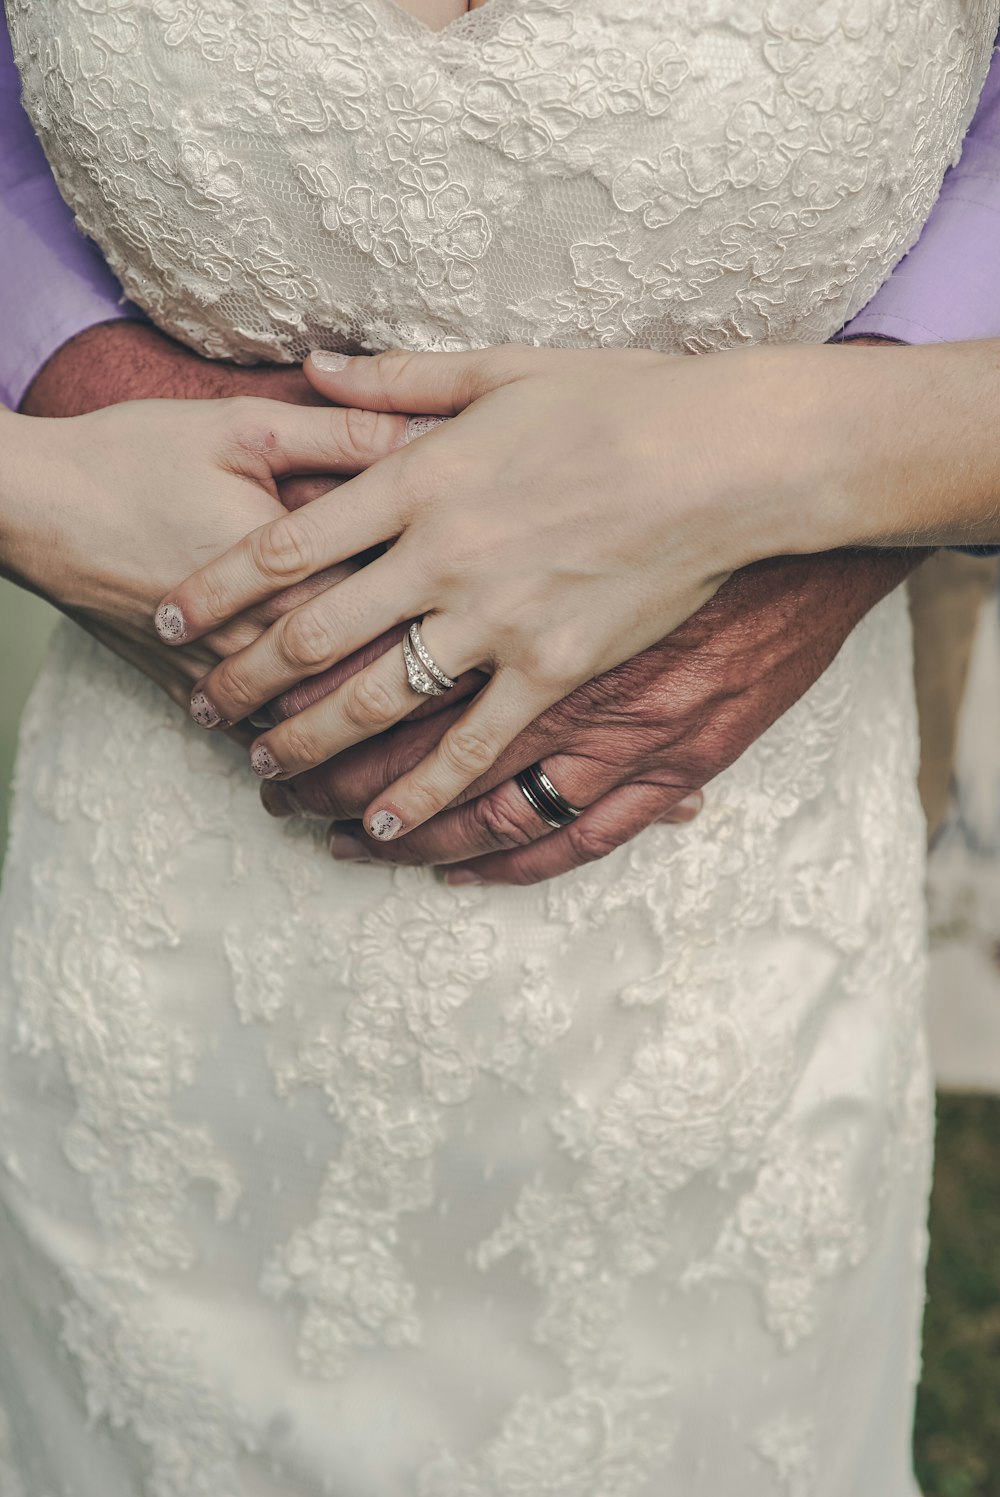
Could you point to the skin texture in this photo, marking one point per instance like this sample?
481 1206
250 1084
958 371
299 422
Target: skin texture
508 550
100 508
127 361
516 557
634 745
692 704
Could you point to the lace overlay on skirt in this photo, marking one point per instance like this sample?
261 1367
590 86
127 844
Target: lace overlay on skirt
337 1181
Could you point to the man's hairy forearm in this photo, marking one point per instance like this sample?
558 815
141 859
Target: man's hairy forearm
118 361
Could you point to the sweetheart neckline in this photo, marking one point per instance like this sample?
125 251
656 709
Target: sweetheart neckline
463 27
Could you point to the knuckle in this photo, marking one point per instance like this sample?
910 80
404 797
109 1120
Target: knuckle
303 639
588 842
555 660
392 366
367 702
282 551
468 751
248 424
232 692
495 826
216 601
364 430
296 744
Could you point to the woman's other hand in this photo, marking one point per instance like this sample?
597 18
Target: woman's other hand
101 510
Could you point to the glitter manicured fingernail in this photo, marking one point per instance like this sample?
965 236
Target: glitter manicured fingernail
203 712
263 764
419 426
347 849
385 825
170 624
328 362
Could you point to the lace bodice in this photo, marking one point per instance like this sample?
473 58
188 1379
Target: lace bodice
266 177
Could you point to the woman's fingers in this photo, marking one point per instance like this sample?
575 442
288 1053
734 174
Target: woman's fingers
352 518
368 703
466 752
305 642
292 439
365 705
436 384
499 819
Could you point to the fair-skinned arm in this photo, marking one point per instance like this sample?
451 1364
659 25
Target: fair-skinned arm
503 537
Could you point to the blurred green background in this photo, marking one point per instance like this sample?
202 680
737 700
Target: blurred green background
958 1424
25 625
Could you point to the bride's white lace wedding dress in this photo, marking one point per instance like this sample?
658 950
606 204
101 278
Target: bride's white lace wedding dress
337 1181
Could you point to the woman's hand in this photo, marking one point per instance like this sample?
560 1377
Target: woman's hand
101 512
581 506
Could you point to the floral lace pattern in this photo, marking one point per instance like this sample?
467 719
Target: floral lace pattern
322 1181
269 178
513 1163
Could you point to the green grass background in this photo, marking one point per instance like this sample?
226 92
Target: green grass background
958 1423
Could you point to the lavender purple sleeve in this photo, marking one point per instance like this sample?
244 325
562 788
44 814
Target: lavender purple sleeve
947 289
54 282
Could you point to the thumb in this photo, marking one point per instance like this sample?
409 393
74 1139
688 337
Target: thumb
426 384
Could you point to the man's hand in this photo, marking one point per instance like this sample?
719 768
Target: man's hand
118 361
630 746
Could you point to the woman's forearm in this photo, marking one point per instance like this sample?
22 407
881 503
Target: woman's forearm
906 443
22 481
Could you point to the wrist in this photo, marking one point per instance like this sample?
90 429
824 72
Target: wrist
904 444
794 460
26 460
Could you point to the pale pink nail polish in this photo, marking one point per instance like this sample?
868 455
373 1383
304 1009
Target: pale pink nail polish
347 849
170 625
203 712
460 877
385 825
262 763
328 362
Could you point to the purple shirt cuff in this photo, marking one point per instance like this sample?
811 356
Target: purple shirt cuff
55 282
